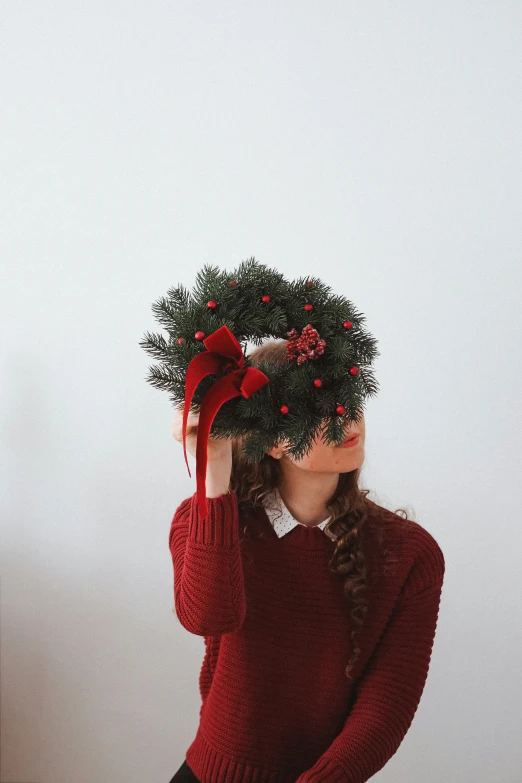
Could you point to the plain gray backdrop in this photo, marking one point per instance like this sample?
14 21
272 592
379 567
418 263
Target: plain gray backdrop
375 144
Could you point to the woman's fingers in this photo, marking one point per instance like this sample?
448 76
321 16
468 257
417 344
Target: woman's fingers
219 449
177 424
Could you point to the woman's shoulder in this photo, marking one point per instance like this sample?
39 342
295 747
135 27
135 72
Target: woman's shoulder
406 538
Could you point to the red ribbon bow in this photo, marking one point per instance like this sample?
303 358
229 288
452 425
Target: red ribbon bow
223 357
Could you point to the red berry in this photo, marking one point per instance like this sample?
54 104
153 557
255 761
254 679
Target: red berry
354 370
265 298
211 305
347 324
340 410
181 340
318 382
233 283
199 335
284 409
308 307
309 284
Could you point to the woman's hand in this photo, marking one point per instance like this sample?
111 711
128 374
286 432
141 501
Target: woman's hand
219 454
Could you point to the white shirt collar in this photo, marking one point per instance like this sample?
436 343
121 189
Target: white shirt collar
281 518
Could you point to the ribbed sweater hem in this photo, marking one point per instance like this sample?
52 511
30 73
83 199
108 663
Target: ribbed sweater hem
210 766
324 771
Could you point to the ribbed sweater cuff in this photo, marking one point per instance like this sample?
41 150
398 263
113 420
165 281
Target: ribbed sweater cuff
221 525
323 771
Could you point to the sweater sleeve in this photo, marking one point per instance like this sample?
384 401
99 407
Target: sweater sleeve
209 594
387 697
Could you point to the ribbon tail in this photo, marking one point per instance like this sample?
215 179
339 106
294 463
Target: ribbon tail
223 390
201 365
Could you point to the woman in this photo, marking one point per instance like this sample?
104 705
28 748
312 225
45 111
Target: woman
318 609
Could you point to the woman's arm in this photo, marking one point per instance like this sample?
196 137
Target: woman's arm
387 696
209 593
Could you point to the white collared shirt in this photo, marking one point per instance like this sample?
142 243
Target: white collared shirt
281 518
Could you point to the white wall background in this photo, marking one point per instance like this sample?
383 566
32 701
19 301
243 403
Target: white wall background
375 144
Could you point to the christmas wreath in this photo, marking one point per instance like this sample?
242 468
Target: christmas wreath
204 363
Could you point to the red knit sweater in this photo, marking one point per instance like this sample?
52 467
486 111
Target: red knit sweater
276 704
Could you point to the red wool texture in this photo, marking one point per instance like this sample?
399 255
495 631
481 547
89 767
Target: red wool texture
276 705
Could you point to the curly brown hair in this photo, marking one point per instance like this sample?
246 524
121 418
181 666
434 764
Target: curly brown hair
349 510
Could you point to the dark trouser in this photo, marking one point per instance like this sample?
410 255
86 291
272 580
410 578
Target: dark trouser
184 775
